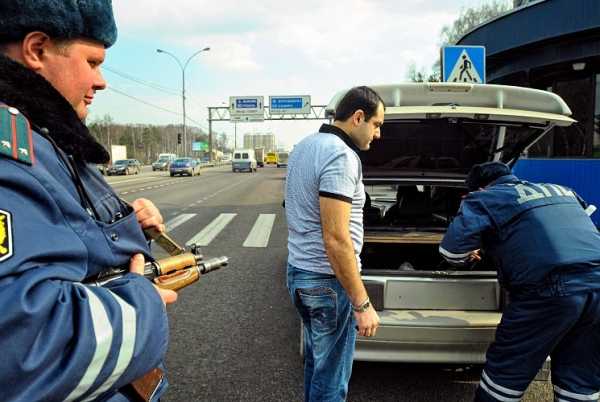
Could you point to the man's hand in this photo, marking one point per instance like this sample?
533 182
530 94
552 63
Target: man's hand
148 215
367 322
136 266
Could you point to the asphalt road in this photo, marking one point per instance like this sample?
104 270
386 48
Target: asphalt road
234 334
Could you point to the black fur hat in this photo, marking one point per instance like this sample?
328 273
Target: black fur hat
485 173
92 19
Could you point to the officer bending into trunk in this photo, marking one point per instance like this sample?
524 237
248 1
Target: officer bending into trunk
547 252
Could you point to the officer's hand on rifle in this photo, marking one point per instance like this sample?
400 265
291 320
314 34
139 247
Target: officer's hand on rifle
148 215
137 266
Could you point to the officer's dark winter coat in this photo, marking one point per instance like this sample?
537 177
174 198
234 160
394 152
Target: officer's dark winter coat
547 252
530 230
61 339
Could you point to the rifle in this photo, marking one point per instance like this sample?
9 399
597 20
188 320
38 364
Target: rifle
179 270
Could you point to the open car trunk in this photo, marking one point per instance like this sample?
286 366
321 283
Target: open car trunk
404 226
401 265
414 175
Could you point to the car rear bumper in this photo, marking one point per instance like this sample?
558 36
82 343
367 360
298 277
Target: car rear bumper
181 170
430 336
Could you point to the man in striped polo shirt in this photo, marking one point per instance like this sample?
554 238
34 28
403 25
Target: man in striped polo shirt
324 200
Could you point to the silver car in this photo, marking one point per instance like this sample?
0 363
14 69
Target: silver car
414 177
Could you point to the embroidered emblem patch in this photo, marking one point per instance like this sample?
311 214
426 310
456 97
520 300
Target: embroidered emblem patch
6 245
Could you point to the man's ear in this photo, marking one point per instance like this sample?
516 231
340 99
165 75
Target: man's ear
358 117
34 49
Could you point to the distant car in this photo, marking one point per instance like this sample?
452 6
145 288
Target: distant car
125 167
185 166
161 164
271 158
243 159
282 159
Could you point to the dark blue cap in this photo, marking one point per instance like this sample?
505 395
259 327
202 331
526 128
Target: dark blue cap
68 19
485 173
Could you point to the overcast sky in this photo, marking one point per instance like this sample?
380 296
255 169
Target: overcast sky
309 47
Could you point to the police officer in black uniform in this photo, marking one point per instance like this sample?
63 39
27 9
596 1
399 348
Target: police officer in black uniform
547 252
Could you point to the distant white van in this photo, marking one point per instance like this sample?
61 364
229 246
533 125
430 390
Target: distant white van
243 160
170 157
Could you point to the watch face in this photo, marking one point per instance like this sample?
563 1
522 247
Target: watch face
363 307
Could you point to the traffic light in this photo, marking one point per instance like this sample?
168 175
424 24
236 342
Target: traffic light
179 138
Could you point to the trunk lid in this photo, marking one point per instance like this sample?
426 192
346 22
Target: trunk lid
440 130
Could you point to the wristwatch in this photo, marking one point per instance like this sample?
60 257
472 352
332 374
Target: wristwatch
364 306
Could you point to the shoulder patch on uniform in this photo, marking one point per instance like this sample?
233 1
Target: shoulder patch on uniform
16 141
6 240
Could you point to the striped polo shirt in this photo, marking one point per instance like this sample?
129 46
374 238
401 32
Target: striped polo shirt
324 164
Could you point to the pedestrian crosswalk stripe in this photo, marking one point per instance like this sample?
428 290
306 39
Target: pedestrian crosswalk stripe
206 235
261 231
181 219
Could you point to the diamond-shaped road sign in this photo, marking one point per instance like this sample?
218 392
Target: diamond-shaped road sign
463 64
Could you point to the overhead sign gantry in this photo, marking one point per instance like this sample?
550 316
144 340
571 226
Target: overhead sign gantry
252 109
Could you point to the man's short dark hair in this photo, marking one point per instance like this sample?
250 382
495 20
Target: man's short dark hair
363 98
485 173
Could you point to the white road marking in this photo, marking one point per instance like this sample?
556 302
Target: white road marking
206 235
180 220
261 231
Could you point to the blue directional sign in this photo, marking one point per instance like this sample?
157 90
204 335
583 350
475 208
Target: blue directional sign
246 108
463 64
289 104
251 103
286 103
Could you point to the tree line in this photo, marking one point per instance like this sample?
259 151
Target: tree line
145 141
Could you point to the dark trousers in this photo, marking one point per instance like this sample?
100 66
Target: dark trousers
566 328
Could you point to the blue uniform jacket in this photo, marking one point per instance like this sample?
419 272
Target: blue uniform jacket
62 339
538 235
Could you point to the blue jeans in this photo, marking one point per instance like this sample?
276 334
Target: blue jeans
329 333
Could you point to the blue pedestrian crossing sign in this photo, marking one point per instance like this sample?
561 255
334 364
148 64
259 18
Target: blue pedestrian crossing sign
463 64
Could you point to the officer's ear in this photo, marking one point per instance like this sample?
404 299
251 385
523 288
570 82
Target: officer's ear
34 50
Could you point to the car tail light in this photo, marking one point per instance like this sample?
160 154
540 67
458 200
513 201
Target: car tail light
375 292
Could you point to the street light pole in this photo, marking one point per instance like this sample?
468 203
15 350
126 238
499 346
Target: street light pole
183 67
